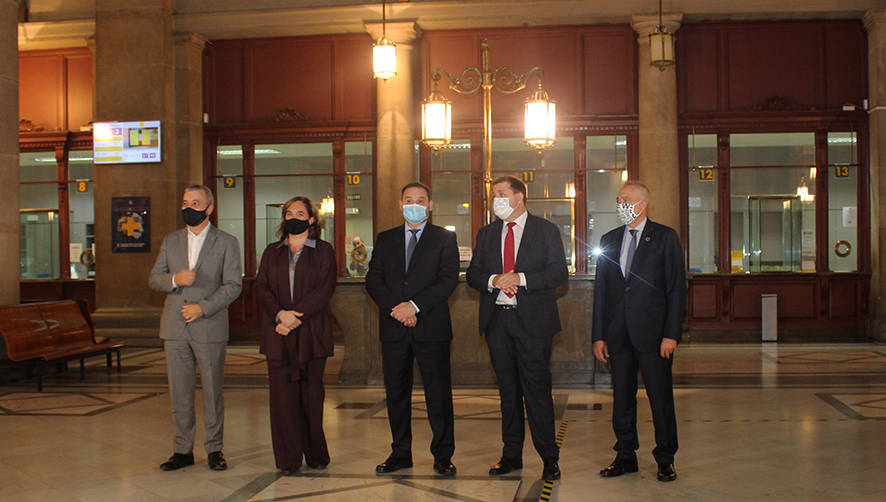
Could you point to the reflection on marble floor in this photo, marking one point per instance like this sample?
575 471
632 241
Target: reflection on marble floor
756 422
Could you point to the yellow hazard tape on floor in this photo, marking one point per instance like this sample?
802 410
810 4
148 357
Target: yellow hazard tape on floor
547 490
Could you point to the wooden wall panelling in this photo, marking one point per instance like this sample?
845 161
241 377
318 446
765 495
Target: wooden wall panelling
698 66
703 299
554 52
354 86
609 63
41 90
797 298
846 65
452 52
228 92
768 61
844 295
292 73
79 90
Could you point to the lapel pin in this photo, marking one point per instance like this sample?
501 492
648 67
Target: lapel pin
648 239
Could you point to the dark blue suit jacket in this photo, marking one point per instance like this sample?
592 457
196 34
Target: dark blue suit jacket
431 278
541 259
649 304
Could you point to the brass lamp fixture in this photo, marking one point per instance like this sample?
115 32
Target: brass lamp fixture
539 111
539 120
384 53
436 119
661 45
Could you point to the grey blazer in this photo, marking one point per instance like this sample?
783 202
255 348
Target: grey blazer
218 284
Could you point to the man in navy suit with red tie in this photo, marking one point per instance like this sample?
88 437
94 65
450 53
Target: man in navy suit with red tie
639 302
518 263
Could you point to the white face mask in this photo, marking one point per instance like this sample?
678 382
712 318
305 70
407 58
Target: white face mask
626 212
501 206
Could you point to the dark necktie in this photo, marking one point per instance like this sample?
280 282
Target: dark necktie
508 258
632 248
410 248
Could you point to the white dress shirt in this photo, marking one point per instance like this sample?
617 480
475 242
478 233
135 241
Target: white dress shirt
195 244
625 242
502 298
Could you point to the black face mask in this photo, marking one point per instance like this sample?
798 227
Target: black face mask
294 226
193 217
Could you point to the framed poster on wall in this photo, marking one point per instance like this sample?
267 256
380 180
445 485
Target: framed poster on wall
130 224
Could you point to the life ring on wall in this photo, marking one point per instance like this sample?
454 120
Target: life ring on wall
359 254
842 248
87 258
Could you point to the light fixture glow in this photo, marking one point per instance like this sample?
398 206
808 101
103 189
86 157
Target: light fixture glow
327 205
436 120
597 251
540 120
624 175
384 53
661 45
451 228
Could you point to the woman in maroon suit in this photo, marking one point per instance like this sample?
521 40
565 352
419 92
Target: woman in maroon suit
294 286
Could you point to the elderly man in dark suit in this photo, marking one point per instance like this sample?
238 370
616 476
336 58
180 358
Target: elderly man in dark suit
413 270
517 264
199 269
639 301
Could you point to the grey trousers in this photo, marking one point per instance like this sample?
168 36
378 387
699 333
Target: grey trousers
180 358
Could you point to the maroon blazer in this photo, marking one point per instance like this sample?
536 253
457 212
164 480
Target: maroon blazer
314 283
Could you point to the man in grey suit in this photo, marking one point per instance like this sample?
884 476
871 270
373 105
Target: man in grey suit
199 267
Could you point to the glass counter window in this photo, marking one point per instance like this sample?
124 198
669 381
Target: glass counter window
702 182
550 182
607 171
283 171
451 192
842 202
358 206
229 187
772 179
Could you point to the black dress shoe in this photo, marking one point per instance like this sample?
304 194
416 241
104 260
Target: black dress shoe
506 465
551 471
393 464
318 467
444 468
288 471
217 461
666 472
177 461
619 467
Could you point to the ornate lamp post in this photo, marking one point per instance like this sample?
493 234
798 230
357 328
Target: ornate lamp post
539 110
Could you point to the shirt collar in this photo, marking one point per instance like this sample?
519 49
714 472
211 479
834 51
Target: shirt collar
201 234
311 243
639 228
520 221
420 228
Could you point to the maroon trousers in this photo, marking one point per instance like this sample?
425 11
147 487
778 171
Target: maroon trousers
297 414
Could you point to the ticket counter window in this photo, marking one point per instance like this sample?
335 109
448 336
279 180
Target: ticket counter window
38 216
607 170
772 179
550 182
451 188
229 187
702 175
842 174
81 190
358 207
283 171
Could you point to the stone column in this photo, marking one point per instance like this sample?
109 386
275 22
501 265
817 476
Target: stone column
875 22
135 80
189 104
396 124
657 99
9 168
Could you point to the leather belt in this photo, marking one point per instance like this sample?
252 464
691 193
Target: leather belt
505 307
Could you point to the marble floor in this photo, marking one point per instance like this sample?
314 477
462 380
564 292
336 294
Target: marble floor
756 422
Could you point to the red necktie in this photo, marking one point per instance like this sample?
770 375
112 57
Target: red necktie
508 260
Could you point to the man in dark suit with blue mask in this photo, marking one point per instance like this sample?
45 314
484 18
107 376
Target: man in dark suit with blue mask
639 302
413 270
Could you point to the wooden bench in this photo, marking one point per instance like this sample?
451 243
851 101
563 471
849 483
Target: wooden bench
52 332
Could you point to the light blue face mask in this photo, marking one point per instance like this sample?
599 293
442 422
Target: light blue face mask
415 213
